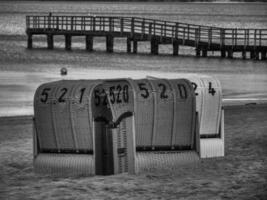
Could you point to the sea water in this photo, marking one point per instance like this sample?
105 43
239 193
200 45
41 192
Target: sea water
22 70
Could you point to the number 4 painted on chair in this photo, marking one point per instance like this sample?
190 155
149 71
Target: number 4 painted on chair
211 89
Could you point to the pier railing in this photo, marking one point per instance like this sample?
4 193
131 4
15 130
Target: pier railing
149 27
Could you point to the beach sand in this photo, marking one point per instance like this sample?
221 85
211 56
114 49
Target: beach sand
241 174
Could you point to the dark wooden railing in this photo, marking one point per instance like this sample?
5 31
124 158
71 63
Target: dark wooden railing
212 38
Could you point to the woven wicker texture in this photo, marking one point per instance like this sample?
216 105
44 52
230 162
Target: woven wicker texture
165 112
120 97
63 116
211 147
144 112
122 144
99 104
184 112
43 116
163 116
81 116
208 100
211 112
164 160
64 164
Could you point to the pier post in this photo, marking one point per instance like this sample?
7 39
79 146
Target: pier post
175 46
50 41
244 54
197 52
129 45
230 53
223 53
154 46
29 43
109 43
68 42
263 55
135 46
204 53
257 55
252 54
89 42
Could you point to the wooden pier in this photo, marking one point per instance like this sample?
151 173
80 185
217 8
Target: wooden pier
205 39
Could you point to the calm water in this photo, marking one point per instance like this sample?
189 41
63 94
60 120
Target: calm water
21 70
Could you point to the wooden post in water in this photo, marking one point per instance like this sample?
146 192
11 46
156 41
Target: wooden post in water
68 42
135 46
150 30
154 46
121 22
132 27
263 55
244 54
29 42
50 41
230 53
109 43
223 53
129 47
252 54
89 42
175 46
257 57
222 42
204 53
197 52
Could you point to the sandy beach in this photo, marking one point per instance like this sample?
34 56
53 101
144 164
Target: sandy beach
241 174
